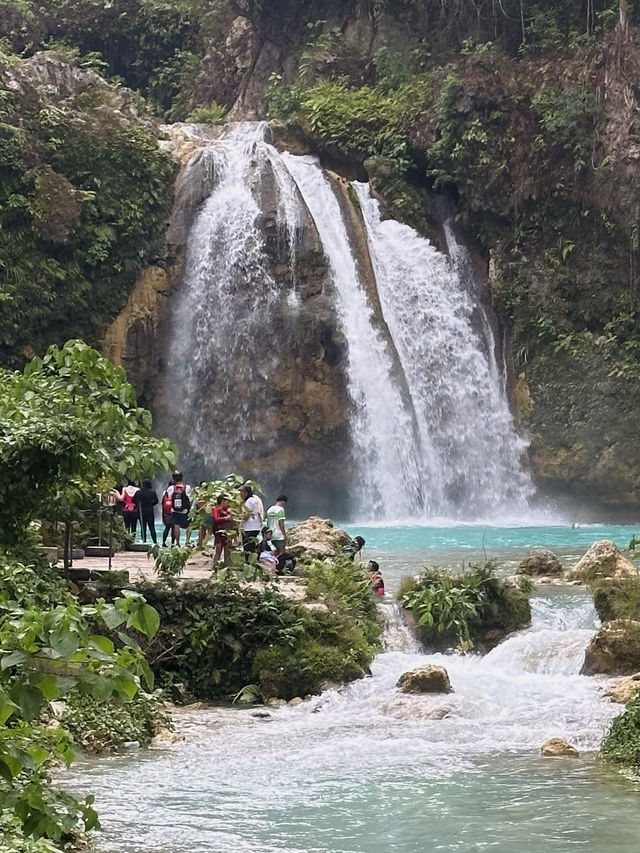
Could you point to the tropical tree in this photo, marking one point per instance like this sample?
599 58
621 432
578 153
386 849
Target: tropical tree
69 426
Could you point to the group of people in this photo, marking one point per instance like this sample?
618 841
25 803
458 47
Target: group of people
263 533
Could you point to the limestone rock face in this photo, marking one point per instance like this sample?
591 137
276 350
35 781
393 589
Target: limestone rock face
603 560
425 679
540 563
558 747
625 688
316 538
615 649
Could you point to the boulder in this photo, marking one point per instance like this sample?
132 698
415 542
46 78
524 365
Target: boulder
540 562
316 538
557 747
625 688
297 700
614 650
603 560
166 737
425 679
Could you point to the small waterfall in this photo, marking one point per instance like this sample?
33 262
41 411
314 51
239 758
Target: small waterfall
397 637
389 474
221 351
470 451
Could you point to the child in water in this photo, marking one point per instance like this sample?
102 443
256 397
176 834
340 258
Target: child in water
375 578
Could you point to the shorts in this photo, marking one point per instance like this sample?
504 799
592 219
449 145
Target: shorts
221 537
249 540
180 519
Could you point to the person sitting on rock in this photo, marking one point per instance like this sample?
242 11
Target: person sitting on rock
353 548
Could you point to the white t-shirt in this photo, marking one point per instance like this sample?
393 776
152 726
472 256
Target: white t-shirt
254 522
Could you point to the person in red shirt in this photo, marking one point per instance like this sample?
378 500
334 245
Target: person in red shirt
222 522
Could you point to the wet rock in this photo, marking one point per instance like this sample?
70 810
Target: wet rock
540 563
275 703
180 694
425 679
624 689
131 745
558 747
614 650
166 737
603 560
261 715
297 700
418 708
316 538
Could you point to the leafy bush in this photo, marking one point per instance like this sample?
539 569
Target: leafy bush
616 598
169 562
466 609
210 114
359 121
621 743
47 648
84 199
104 726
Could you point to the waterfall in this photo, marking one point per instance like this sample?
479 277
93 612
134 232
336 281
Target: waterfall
471 452
388 469
431 434
221 352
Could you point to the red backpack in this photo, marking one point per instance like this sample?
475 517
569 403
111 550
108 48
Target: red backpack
129 504
167 505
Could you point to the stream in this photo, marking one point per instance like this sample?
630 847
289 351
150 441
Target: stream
365 769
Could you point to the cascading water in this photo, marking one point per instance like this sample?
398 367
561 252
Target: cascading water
470 450
366 769
389 477
431 431
221 351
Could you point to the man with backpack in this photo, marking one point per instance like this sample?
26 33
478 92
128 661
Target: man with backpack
178 494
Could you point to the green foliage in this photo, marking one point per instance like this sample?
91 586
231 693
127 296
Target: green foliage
221 638
621 744
169 562
84 198
210 114
69 426
464 609
359 121
568 117
103 726
206 494
48 646
616 598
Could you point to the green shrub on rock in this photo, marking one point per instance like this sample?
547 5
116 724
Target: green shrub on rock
616 598
621 743
469 609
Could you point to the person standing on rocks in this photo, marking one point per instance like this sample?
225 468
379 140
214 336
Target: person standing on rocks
222 522
251 519
147 500
167 519
129 499
180 506
276 517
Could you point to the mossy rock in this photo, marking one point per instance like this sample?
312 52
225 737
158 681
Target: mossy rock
616 598
614 650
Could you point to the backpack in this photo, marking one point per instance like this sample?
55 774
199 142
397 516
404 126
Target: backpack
167 504
180 499
129 504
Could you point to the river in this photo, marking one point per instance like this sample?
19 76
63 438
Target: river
365 769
